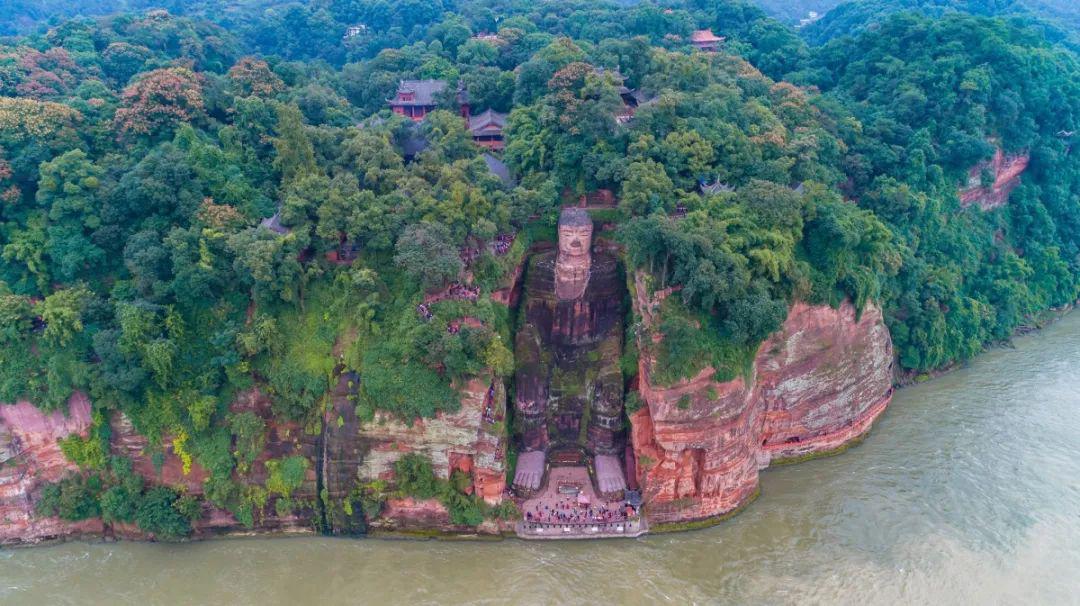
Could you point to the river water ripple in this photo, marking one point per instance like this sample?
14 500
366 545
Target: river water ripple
966 492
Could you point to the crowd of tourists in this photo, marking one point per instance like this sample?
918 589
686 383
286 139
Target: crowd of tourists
489 406
502 243
570 511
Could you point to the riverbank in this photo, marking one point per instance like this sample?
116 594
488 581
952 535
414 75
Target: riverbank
1046 319
857 434
964 494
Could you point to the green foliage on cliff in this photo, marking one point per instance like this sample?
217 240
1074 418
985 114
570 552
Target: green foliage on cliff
118 495
690 343
90 452
249 433
165 514
84 452
198 204
929 100
73 498
121 500
286 474
415 477
410 368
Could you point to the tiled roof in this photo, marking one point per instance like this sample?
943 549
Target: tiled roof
274 224
712 189
488 123
499 169
636 97
424 91
705 35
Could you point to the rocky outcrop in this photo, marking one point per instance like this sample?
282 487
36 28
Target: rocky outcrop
343 455
125 441
817 385
343 514
697 446
470 439
30 456
1005 169
823 379
161 465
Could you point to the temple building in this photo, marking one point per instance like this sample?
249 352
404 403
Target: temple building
355 30
273 223
487 129
418 98
704 40
632 99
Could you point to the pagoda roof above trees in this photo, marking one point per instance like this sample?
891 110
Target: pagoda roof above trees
418 92
489 122
273 223
705 40
702 36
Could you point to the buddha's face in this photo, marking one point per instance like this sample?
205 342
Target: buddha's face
574 240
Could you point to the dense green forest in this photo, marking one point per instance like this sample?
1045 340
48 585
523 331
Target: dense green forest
1060 19
143 156
794 11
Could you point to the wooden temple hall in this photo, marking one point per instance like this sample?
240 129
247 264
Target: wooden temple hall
415 99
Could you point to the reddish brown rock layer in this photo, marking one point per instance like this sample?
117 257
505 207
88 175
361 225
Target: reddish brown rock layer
283 439
1006 170
413 514
125 441
818 383
30 456
470 440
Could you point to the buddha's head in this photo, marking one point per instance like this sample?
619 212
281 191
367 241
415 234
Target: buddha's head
575 254
575 232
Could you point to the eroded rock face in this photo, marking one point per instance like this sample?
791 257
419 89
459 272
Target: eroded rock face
284 438
469 440
698 446
818 384
30 456
125 441
823 378
1006 171
345 453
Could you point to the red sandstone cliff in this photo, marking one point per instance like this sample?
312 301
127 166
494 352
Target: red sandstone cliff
818 384
470 440
1006 170
30 456
284 439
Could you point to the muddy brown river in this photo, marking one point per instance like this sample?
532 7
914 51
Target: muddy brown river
966 492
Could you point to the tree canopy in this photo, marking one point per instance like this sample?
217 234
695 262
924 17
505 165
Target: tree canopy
203 198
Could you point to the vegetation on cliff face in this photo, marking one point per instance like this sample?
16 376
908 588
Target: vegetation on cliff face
141 155
415 478
932 98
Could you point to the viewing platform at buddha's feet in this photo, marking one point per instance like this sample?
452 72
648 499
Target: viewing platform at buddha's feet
569 507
